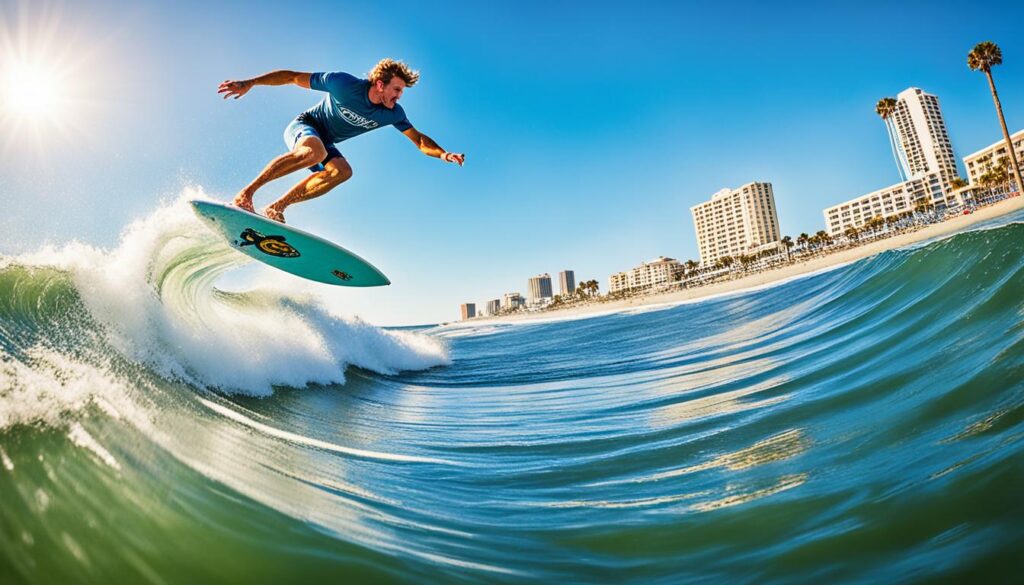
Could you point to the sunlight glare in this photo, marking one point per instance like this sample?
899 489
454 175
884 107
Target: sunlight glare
48 80
30 91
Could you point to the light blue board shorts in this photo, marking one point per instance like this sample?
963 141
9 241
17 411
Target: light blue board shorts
305 125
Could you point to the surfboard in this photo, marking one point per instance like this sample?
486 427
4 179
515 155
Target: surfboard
286 248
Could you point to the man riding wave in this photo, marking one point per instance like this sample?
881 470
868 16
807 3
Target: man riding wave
351 107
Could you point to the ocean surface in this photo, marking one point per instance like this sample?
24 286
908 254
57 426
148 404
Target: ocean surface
864 424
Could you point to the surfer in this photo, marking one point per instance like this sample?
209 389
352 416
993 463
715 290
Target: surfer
351 107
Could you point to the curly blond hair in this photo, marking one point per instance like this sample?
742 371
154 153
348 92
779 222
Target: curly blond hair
388 68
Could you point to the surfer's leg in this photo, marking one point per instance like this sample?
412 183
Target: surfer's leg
308 151
336 171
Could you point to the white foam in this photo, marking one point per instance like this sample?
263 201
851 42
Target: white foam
155 294
79 436
316 443
46 386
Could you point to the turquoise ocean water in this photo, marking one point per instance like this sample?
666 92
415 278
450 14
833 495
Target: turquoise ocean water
864 424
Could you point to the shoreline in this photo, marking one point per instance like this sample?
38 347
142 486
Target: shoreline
768 277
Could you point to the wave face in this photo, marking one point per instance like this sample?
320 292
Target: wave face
860 425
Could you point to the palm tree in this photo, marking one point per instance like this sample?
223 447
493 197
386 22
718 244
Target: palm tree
983 57
987 182
788 243
875 223
851 232
803 239
1000 177
885 108
958 183
922 205
746 260
691 267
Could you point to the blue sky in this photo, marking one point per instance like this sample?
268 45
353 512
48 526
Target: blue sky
590 128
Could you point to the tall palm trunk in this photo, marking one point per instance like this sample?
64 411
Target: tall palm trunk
899 149
1006 133
890 127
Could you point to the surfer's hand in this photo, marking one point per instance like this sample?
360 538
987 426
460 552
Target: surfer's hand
453 157
235 89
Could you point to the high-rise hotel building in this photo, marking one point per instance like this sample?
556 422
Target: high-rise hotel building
494 307
737 221
926 156
922 134
566 282
538 289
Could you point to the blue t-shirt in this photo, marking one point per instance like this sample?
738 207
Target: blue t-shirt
346 111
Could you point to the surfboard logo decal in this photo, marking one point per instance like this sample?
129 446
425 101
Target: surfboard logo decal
342 275
270 245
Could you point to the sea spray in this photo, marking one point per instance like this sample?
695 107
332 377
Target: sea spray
155 296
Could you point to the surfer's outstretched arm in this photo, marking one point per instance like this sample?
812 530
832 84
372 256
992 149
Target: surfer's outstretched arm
237 89
430 148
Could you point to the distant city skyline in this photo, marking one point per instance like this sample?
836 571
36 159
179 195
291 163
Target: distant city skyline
747 214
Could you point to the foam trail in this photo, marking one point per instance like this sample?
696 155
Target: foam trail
301 440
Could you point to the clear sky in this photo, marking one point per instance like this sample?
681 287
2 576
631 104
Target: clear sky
590 127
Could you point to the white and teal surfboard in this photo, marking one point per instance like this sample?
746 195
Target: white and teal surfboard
286 248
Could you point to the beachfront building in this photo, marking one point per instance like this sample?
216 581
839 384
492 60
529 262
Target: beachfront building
468 310
566 283
649 274
538 291
922 134
895 199
978 163
736 221
618 281
494 307
512 301
926 157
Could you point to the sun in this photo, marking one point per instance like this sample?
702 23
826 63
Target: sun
48 68
31 91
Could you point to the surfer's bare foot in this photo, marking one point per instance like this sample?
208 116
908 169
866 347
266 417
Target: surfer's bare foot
243 201
274 214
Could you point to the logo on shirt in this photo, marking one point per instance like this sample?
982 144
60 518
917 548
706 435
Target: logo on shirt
357 120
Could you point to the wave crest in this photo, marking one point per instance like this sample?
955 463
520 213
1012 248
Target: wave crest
156 298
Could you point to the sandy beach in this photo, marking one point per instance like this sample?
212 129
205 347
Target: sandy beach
813 264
